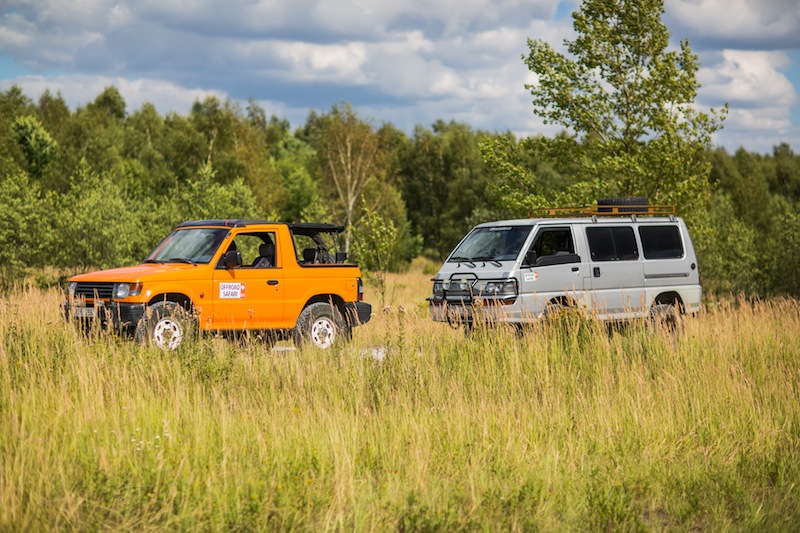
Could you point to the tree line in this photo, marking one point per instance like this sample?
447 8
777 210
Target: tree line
99 187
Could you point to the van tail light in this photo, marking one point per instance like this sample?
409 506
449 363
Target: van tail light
360 290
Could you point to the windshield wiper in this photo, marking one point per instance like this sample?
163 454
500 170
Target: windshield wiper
152 261
181 260
489 259
460 260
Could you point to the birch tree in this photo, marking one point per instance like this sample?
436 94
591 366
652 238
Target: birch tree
350 155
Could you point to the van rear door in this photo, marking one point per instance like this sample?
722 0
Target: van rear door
665 259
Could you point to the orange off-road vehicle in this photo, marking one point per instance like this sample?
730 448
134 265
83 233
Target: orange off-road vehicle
276 279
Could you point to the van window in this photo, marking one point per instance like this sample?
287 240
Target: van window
661 242
616 243
551 241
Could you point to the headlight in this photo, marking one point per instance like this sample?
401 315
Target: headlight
123 290
438 289
499 288
71 286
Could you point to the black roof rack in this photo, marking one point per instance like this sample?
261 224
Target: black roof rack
314 227
297 227
228 223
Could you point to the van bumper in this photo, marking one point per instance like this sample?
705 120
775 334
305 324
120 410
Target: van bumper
458 312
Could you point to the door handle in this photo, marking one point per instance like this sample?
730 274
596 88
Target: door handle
596 272
272 282
575 269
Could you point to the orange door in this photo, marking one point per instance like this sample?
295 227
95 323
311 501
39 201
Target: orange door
248 298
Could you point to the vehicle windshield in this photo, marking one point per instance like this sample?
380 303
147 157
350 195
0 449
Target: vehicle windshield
496 243
194 245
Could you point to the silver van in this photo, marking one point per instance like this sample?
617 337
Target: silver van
617 261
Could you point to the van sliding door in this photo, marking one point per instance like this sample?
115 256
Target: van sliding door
616 271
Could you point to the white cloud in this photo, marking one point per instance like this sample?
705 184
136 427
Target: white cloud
749 79
406 61
761 99
751 23
333 63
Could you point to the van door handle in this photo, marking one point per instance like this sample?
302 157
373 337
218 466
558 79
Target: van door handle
575 269
272 282
596 272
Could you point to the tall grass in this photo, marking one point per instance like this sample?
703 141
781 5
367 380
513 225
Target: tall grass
573 426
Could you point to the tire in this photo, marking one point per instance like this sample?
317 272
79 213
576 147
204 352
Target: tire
166 325
625 200
666 317
553 312
604 204
321 325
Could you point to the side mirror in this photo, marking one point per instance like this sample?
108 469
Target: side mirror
233 259
341 257
530 258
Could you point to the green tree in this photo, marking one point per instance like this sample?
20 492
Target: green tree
350 154
147 171
13 104
445 184
217 121
786 246
204 198
96 224
37 145
93 139
374 246
24 232
787 172
629 101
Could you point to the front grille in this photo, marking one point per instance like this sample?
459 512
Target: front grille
102 290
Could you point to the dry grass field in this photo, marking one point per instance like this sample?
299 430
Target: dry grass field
412 426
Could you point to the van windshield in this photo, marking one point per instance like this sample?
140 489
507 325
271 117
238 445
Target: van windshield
495 243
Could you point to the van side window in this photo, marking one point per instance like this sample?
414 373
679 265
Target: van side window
661 242
552 246
617 243
552 241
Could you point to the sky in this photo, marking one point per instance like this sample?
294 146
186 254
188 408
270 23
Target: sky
408 62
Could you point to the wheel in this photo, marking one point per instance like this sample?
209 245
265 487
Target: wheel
166 325
322 325
666 316
553 312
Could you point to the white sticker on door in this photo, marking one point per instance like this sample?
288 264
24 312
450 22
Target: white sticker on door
231 290
531 276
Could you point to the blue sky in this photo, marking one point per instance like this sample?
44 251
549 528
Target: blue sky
409 62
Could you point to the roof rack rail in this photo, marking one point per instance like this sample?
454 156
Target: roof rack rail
603 211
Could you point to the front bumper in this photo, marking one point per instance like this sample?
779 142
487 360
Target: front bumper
120 315
358 313
459 311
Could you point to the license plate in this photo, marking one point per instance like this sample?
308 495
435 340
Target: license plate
83 312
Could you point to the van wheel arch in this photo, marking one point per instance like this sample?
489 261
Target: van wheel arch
670 298
666 312
563 301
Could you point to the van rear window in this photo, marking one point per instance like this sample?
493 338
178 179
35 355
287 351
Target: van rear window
661 242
